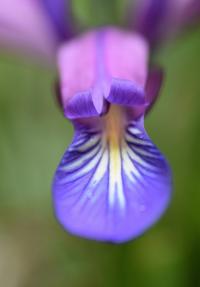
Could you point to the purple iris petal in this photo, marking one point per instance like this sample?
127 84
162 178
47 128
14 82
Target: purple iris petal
108 187
26 26
60 14
112 183
151 18
160 19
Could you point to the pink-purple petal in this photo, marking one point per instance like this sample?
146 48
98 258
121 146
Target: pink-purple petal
25 25
106 65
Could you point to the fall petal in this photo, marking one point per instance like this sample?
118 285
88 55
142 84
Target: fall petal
109 189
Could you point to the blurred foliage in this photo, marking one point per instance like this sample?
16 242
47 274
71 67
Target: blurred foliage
34 249
90 13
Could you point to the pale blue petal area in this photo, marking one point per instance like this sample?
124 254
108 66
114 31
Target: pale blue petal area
111 193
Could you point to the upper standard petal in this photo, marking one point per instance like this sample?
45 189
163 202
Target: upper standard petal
104 66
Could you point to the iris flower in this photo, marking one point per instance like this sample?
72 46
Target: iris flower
112 183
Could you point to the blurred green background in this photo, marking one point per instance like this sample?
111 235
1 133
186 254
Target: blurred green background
34 250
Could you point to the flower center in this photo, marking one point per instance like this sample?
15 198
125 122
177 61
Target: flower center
114 125
114 134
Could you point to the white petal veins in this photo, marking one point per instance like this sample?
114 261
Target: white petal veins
107 156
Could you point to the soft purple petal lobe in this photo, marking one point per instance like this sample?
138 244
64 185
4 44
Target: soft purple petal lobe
151 18
25 25
107 65
161 19
60 14
112 183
